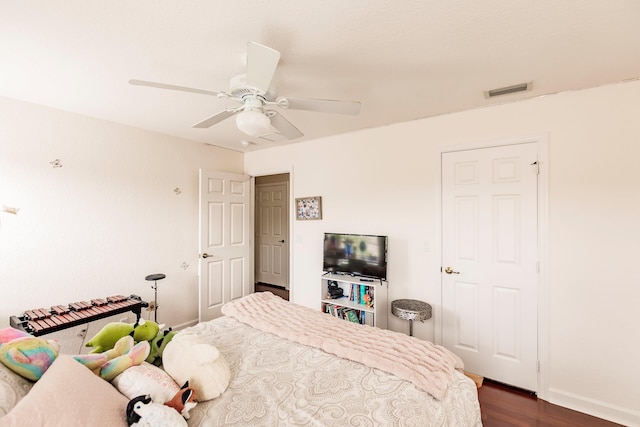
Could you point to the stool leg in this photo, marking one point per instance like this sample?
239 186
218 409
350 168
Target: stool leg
410 327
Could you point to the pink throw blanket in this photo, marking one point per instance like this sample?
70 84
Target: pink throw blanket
423 363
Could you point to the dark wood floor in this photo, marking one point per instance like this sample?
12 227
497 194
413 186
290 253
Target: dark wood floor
505 406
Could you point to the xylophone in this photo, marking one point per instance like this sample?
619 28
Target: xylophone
41 321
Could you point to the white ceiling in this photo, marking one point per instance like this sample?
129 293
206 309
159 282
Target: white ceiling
402 59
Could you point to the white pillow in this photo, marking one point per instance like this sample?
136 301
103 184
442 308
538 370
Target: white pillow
146 379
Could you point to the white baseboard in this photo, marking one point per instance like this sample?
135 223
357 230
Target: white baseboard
606 411
185 325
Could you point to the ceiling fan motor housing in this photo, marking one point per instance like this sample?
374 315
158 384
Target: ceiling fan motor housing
240 90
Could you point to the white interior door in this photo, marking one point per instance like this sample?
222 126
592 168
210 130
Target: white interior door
272 234
489 259
225 241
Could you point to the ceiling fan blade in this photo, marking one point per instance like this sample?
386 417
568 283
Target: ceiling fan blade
324 105
261 65
273 137
216 118
284 126
172 87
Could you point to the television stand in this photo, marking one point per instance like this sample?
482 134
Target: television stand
364 299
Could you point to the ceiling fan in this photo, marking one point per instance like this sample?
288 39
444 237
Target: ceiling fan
252 90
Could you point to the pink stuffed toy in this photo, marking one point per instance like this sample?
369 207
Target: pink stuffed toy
112 362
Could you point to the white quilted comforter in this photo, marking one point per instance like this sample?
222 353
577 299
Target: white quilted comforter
277 382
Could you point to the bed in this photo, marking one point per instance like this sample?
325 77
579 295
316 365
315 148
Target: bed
276 380
289 366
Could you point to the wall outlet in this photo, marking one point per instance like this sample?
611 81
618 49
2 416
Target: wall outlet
152 306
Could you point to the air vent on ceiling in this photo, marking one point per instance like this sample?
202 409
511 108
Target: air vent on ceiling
522 87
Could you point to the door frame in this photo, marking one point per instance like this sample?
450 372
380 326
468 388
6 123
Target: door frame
266 172
541 142
256 224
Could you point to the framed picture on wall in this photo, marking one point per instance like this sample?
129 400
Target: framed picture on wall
309 208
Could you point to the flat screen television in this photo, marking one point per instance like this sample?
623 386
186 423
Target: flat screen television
355 254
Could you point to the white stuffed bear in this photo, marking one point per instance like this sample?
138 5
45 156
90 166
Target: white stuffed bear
188 358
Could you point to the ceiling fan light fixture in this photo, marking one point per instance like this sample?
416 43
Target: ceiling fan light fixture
253 122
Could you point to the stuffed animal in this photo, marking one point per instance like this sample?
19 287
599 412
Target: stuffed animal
30 356
150 380
142 412
113 362
184 400
158 345
26 355
106 338
9 334
188 358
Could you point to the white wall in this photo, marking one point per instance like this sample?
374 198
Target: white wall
103 221
383 181
108 217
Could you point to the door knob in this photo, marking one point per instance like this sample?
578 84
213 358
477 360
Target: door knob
449 270
281 241
206 255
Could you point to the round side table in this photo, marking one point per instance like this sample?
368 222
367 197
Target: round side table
411 309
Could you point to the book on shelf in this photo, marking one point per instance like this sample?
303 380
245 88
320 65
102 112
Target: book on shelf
361 294
347 313
352 316
335 310
367 318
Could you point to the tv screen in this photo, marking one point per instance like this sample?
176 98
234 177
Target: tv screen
357 254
